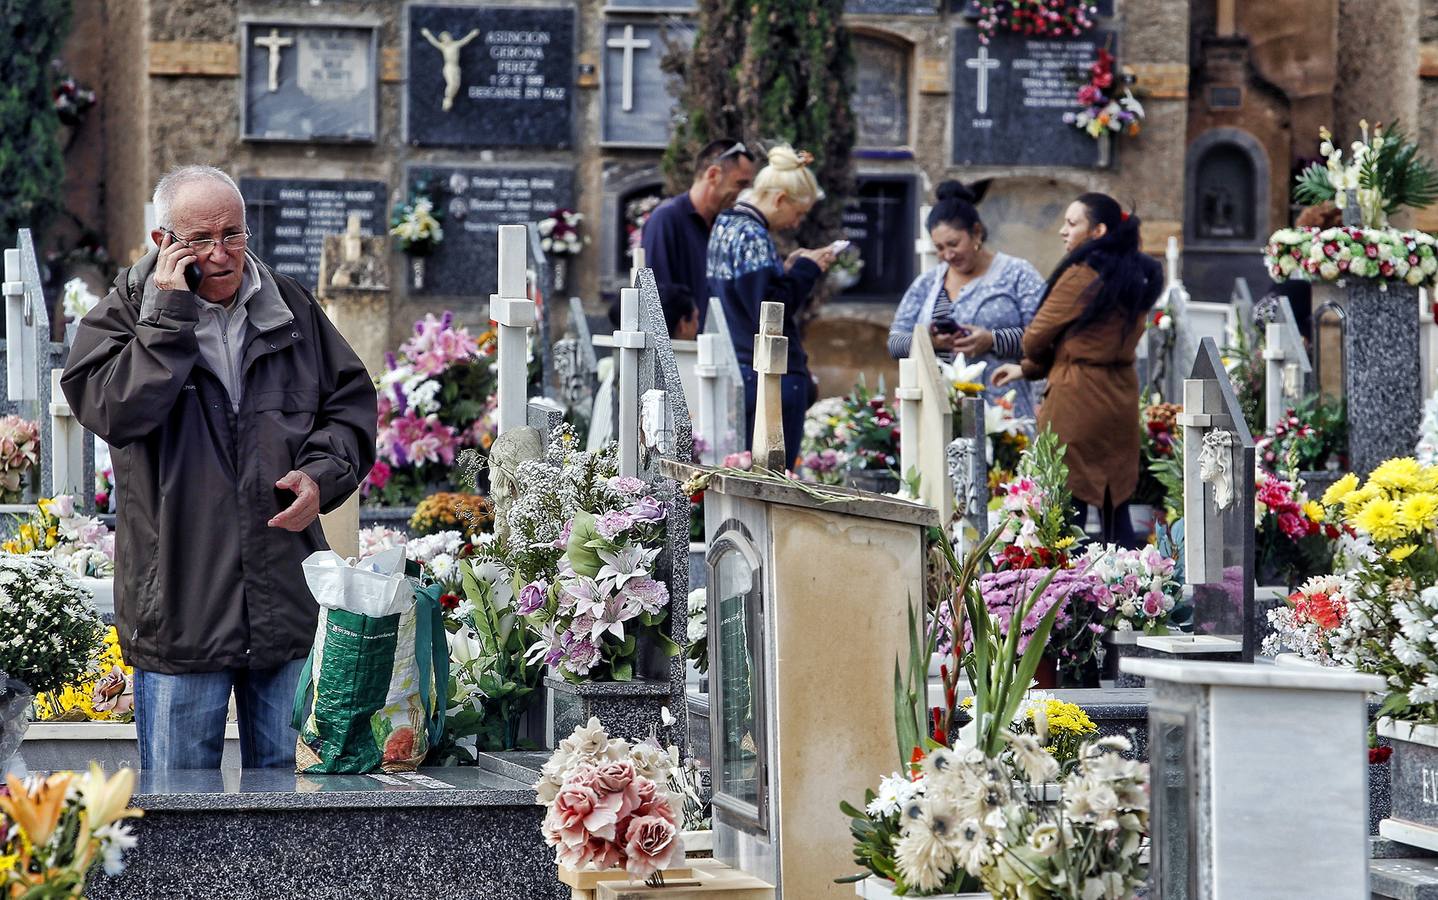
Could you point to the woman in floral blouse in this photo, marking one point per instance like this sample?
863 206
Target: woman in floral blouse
977 301
745 270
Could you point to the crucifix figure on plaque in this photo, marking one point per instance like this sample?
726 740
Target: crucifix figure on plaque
449 49
514 314
981 64
628 44
274 43
771 363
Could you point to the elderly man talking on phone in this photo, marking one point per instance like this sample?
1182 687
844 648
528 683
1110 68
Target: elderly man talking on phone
236 414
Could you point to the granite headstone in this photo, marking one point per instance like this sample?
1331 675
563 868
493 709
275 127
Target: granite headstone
880 221
637 109
491 76
1011 94
309 83
476 201
881 93
289 218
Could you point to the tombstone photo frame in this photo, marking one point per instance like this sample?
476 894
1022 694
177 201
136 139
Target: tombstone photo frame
311 81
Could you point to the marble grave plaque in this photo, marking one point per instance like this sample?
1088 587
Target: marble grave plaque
476 200
1010 97
881 93
637 108
289 218
880 221
311 83
490 76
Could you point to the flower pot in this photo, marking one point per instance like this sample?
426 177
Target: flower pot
416 268
698 844
875 888
104 591
1413 819
1046 677
583 882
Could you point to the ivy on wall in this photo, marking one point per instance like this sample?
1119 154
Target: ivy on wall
31 163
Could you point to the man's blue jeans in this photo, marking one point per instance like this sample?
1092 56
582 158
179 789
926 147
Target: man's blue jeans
181 718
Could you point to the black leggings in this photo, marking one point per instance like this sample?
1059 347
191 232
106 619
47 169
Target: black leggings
1114 524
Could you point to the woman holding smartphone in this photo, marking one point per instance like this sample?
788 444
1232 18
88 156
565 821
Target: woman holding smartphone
1083 341
745 270
977 301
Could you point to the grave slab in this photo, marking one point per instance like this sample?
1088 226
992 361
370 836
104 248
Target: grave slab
290 218
237 834
490 76
309 82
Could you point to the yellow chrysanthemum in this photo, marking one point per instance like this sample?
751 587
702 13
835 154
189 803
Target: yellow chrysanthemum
1402 552
1313 510
1064 543
1401 473
1340 489
1428 481
1419 512
1379 518
1356 500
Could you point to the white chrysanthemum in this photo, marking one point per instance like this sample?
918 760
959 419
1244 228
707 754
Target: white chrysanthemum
924 860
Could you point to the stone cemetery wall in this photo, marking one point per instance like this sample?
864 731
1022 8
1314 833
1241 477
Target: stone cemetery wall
353 92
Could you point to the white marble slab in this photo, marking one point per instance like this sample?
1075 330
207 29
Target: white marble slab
1189 644
1249 675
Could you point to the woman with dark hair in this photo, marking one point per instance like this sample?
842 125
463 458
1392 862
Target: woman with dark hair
1083 340
976 301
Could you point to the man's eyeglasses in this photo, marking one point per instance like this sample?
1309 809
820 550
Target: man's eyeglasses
206 246
737 150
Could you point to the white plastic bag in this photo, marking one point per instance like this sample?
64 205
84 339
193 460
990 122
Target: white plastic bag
374 586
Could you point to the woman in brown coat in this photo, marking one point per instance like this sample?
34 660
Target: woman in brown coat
1082 340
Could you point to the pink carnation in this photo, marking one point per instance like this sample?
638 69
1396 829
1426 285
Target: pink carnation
651 843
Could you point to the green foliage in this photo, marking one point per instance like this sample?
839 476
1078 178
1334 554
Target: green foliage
1402 176
31 163
1313 186
1044 463
1168 472
768 71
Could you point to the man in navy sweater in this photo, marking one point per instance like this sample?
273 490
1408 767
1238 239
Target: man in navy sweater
676 237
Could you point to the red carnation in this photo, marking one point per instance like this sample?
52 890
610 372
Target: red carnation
1379 755
449 601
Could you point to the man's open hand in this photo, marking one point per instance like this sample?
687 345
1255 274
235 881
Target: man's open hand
306 508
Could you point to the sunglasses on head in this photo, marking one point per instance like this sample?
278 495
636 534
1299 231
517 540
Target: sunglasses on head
737 150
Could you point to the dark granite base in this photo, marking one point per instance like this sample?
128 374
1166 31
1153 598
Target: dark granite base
1404 879
627 709
252 834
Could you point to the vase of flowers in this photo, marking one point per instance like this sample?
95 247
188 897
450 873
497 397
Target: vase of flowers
1034 18
81 544
51 636
56 829
416 225
1103 113
19 455
560 238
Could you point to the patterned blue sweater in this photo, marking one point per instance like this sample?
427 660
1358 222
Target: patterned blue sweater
745 270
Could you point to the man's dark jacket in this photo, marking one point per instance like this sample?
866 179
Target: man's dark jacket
201 582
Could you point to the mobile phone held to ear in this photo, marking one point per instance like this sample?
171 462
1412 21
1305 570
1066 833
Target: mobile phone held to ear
193 276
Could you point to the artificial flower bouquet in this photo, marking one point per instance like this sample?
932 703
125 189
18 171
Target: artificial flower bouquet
1389 563
1308 438
858 432
470 514
1135 589
1308 620
435 398
19 453
1102 109
55 828
636 216
1034 509
583 545
416 224
1385 173
1159 439
82 544
610 804
1293 541
559 233
1035 18
105 693
77 299
1333 254
49 632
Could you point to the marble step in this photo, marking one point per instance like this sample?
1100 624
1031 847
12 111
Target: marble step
1404 879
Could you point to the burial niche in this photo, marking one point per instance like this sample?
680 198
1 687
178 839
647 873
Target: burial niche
881 91
1223 193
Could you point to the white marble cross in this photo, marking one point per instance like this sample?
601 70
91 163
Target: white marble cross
1286 364
67 453
629 342
514 314
21 341
628 44
982 64
771 364
274 43
926 422
1208 460
711 397
637 263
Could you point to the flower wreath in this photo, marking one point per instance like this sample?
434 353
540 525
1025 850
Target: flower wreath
1035 18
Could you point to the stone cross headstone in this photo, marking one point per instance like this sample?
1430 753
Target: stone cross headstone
544 294
927 426
771 363
721 389
628 342
627 44
967 456
660 379
514 314
1218 498
67 450
1240 303
1287 364
24 307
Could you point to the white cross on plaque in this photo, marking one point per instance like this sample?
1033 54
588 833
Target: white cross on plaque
628 44
982 64
274 43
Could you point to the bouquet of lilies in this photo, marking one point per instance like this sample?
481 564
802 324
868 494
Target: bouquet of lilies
54 829
416 225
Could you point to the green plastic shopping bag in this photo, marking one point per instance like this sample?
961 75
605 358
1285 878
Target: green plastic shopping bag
372 693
